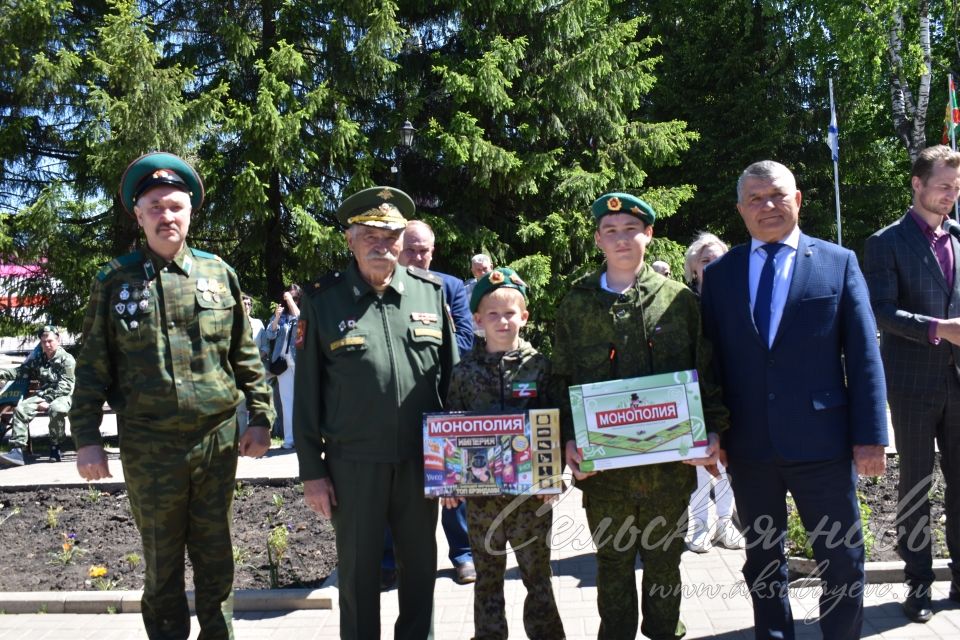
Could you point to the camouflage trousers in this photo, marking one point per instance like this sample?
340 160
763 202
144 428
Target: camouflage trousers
27 410
181 495
524 522
654 528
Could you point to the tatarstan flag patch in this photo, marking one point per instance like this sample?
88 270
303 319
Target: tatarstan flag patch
524 389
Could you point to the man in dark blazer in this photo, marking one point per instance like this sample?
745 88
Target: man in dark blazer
913 271
796 350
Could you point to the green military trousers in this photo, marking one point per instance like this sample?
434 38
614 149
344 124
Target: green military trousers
371 495
27 409
181 494
654 528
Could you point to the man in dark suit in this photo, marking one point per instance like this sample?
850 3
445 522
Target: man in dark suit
796 349
913 272
418 244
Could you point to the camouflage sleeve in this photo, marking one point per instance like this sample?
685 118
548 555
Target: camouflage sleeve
94 374
251 379
10 373
456 396
65 383
561 369
715 413
307 395
449 353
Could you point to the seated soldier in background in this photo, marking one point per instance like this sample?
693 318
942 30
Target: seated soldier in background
52 367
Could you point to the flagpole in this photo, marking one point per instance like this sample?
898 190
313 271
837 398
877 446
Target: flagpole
953 132
836 172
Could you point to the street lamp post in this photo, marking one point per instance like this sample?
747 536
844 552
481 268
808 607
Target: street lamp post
407 134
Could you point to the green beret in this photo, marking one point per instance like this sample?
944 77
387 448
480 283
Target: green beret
499 277
623 203
48 328
159 168
383 207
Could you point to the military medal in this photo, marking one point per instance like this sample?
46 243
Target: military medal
202 285
120 307
134 324
342 326
124 291
207 295
131 308
216 297
351 324
143 304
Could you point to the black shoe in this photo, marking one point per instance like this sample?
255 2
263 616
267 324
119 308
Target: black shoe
388 579
917 607
954 592
54 453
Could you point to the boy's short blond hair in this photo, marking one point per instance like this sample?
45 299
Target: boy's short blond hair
505 294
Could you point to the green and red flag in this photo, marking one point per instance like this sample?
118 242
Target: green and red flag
952 118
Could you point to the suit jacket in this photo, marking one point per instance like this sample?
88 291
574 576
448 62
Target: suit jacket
819 389
908 291
459 305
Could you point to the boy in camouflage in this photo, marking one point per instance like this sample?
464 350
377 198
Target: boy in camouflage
626 321
505 372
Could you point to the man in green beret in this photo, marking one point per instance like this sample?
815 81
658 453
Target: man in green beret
376 347
627 321
52 367
167 343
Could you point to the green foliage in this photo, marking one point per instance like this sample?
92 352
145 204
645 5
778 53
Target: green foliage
798 542
277 544
53 517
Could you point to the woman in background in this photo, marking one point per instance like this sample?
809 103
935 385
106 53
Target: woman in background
702 534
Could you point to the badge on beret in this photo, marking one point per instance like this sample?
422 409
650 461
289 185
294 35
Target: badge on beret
613 204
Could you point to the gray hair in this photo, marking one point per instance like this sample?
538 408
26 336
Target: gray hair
765 170
704 240
482 259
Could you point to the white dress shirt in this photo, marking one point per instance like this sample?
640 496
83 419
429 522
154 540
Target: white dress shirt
782 274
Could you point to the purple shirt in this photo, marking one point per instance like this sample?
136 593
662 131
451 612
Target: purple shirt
939 241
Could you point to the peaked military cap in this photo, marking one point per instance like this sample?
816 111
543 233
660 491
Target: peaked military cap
623 203
48 328
383 207
499 277
159 168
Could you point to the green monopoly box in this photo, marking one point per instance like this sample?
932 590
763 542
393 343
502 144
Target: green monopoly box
637 421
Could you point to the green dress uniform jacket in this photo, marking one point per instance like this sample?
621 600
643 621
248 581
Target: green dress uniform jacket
369 367
653 327
169 346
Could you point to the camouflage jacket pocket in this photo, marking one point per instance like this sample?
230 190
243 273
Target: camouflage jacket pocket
215 315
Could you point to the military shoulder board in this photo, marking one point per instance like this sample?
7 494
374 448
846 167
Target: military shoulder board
423 274
118 263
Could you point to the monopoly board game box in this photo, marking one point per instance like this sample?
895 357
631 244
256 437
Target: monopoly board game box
490 454
637 421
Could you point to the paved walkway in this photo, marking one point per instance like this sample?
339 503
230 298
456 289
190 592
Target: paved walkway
715 604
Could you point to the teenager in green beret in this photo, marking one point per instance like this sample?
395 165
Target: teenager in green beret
627 321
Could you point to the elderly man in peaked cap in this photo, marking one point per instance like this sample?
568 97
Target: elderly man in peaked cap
376 348
167 343
52 367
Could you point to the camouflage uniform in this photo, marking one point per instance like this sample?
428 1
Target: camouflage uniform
652 328
369 366
168 345
484 382
56 378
